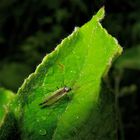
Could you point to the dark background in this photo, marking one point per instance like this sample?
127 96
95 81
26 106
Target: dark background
31 28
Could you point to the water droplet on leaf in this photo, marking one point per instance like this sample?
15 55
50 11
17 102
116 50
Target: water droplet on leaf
77 117
43 118
42 132
37 120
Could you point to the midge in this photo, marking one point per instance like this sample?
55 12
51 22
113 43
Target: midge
55 96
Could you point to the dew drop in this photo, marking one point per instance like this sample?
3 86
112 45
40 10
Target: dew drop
37 120
16 109
42 132
73 52
82 99
43 118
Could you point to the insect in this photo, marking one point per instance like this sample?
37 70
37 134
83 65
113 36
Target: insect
55 96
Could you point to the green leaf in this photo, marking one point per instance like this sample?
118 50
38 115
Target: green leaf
9 128
5 98
87 111
130 59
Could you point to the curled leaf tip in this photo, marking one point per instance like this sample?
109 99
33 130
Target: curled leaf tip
100 14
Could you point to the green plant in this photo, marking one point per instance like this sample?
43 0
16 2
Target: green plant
87 111
6 97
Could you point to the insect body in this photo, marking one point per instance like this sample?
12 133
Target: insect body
55 96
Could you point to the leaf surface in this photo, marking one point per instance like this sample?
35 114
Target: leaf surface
79 62
5 98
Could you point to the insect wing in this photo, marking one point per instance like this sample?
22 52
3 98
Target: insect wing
54 97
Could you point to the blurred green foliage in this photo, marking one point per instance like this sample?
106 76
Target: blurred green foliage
31 28
129 60
5 98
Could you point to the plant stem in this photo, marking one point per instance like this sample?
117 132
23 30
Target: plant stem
119 117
